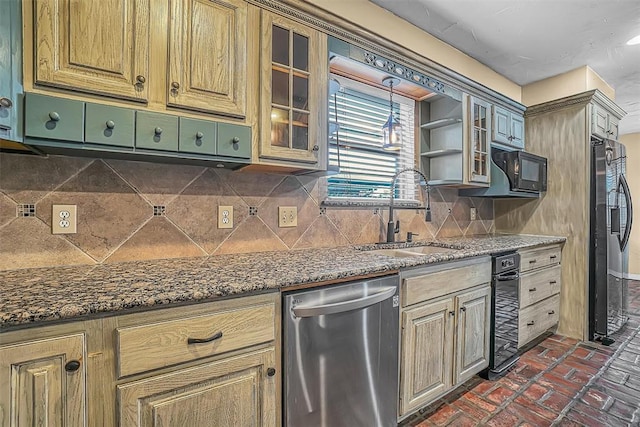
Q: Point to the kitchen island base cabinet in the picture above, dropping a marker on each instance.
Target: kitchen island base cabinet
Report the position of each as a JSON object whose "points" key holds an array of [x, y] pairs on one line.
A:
{"points": [[43, 382], [236, 391], [446, 317]]}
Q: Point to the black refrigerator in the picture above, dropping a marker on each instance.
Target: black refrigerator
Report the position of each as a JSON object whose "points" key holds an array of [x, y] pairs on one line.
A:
{"points": [[611, 216]]}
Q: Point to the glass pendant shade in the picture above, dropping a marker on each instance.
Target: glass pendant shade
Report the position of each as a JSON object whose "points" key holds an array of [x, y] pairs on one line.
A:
{"points": [[391, 130]]}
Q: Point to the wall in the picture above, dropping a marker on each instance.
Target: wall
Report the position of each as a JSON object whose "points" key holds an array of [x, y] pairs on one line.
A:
{"points": [[384, 23], [570, 83], [561, 136], [116, 219], [632, 143]]}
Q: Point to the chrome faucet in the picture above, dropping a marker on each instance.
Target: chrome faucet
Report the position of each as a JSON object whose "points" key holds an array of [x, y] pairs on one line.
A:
{"points": [[393, 228]]}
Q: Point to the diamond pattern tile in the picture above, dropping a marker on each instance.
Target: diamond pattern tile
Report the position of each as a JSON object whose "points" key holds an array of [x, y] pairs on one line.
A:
{"points": [[321, 234], [7, 210], [252, 187], [195, 211], [343, 220], [157, 239], [252, 235], [158, 183], [27, 179], [28, 242], [449, 228], [109, 210], [289, 193]]}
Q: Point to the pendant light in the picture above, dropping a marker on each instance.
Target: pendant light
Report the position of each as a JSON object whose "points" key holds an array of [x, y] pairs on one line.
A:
{"points": [[392, 130]]}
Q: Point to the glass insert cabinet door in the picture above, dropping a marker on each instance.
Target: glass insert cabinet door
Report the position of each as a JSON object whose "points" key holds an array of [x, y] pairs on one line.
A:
{"points": [[480, 133], [294, 74]]}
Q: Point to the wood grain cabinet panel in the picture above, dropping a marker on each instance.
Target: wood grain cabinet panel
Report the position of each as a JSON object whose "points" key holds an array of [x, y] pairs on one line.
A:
{"points": [[93, 46], [36, 389], [472, 339], [233, 392], [208, 56], [427, 351]]}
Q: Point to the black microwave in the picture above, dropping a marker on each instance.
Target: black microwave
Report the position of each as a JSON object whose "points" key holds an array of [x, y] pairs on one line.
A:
{"points": [[525, 171]]}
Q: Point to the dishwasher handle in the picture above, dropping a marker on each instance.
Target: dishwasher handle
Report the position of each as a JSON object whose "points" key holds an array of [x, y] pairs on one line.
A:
{"points": [[342, 306]]}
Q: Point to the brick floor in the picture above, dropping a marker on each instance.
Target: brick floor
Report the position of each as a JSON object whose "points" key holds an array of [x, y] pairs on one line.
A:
{"points": [[559, 382]]}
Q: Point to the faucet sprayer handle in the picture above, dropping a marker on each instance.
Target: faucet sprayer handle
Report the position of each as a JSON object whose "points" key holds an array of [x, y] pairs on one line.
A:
{"points": [[410, 236]]}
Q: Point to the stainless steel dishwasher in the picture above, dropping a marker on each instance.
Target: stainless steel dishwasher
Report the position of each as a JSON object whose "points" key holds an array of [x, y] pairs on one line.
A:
{"points": [[341, 355]]}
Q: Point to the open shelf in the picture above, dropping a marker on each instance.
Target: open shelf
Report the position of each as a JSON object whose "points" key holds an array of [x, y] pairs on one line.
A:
{"points": [[441, 123], [439, 153]]}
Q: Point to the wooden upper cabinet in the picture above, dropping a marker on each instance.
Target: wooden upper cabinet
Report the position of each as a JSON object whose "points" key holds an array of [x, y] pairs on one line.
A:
{"points": [[208, 56], [294, 78], [94, 46]]}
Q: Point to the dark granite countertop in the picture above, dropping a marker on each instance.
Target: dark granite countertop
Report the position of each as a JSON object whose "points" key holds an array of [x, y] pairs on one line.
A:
{"points": [[31, 297]]}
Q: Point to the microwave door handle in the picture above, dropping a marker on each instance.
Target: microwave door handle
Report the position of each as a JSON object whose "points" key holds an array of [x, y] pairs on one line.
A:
{"points": [[627, 195]]}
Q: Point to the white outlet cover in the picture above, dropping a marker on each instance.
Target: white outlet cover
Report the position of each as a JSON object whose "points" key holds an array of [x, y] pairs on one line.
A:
{"points": [[225, 216], [64, 219]]}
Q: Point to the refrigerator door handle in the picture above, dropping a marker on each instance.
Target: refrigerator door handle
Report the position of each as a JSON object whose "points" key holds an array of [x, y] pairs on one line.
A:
{"points": [[624, 187]]}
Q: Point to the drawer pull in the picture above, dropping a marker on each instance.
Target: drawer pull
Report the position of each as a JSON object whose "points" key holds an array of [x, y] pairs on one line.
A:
{"points": [[110, 124], [463, 308], [158, 131], [199, 135], [213, 337], [72, 366], [531, 323], [271, 372], [551, 312], [552, 282], [553, 257], [54, 116], [235, 140], [5, 102], [533, 261], [533, 289]]}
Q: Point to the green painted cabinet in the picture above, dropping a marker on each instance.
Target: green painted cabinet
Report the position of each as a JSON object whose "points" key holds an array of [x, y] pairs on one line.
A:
{"points": [[109, 125], [155, 131], [10, 70], [234, 140], [54, 118], [197, 136]]}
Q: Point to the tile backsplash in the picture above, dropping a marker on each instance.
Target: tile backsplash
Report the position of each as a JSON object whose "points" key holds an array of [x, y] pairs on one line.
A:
{"points": [[136, 210]]}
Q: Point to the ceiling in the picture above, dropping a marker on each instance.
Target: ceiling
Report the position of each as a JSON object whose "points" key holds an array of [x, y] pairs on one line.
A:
{"points": [[530, 40]]}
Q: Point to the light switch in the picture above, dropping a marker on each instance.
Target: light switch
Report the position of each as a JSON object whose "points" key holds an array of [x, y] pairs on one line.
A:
{"points": [[225, 216], [287, 216], [64, 219]]}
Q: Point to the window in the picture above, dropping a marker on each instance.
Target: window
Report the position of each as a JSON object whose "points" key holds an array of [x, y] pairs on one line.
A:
{"points": [[366, 170]]}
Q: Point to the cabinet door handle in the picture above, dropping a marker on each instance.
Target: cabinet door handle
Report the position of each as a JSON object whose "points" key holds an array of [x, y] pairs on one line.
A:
{"points": [[141, 79], [533, 289], [533, 261], [316, 148], [271, 372], [463, 308], [175, 85], [552, 282], [452, 313], [6, 102], [531, 323], [72, 366], [552, 257], [551, 312], [213, 337]]}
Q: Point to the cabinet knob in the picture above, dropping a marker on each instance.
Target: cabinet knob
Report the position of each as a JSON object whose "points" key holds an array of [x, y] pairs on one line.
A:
{"points": [[271, 372], [54, 116], [199, 135], [532, 289], [72, 366], [531, 323], [175, 85], [6, 102], [158, 130], [110, 124], [452, 313], [316, 148], [141, 79], [235, 140], [552, 282], [463, 308]]}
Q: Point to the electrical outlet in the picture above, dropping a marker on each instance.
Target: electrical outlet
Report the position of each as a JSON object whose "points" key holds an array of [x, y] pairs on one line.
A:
{"points": [[64, 219], [225, 216], [287, 216], [473, 214]]}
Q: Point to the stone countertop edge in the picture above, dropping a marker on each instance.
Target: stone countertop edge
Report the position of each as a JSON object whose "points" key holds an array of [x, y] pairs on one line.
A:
{"points": [[38, 296]]}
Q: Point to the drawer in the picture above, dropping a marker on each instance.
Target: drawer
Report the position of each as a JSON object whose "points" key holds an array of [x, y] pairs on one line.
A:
{"points": [[539, 257], [433, 284], [54, 118], [537, 318], [156, 131], [234, 140], [538, 285], [197, 136], [156, 345], [109, 125]]}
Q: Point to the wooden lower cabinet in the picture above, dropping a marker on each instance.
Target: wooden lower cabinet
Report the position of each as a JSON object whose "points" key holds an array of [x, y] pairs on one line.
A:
{"points": [[42, 382], [237, 391], [445, 338]]}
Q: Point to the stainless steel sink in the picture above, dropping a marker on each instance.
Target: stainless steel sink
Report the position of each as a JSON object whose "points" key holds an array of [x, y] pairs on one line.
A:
{"points": [[414, 251]]}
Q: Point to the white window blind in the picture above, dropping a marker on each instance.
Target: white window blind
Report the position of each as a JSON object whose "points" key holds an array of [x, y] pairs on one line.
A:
{"points": [[366, 169]]}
